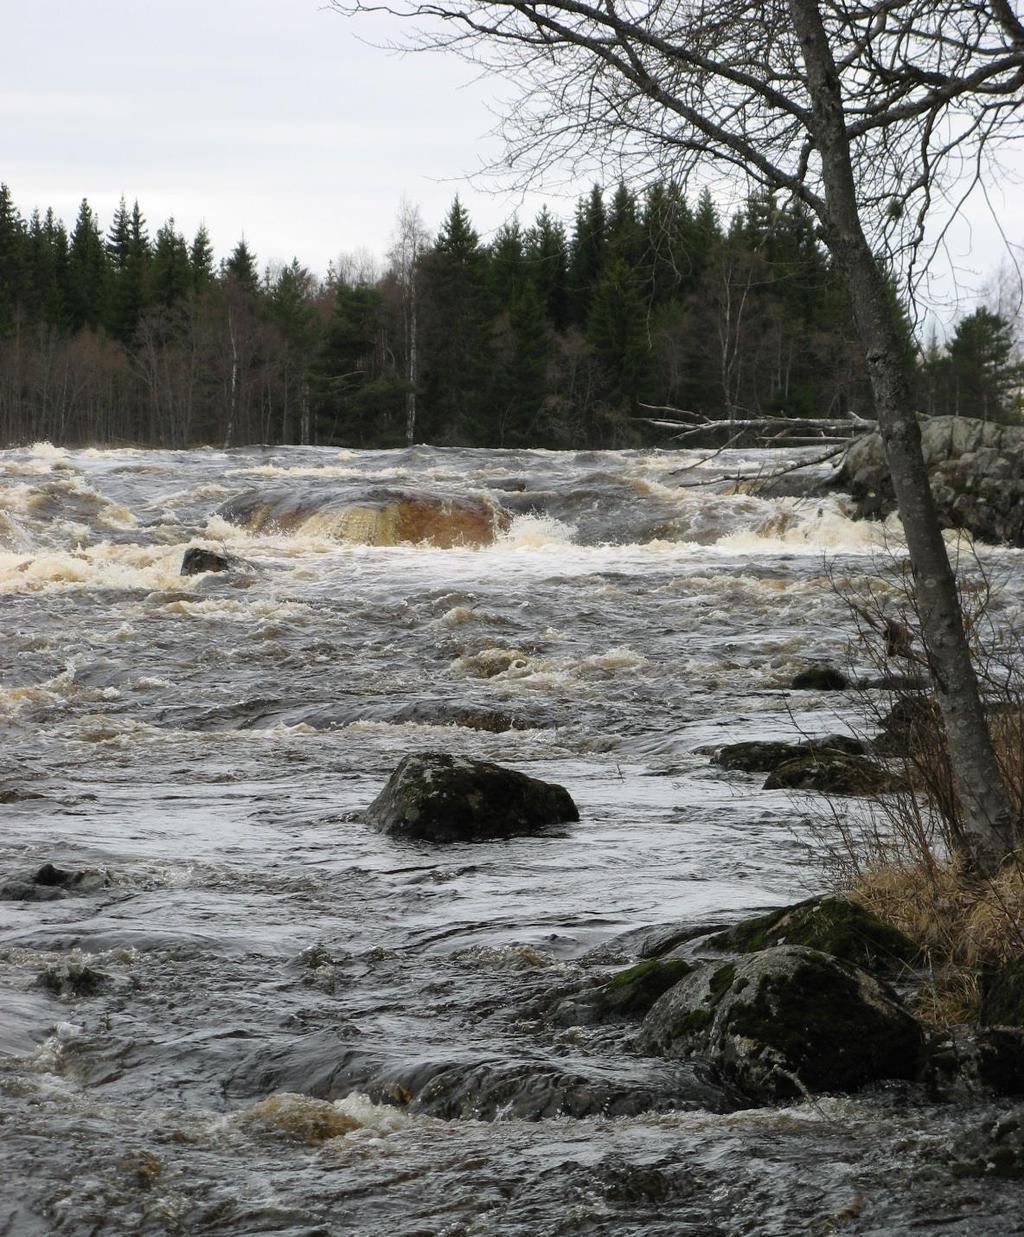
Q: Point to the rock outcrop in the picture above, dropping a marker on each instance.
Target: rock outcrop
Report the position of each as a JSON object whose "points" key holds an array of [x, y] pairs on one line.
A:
{"points": [[786, 1021], [764, 755], [435, 797], [976, 470]]}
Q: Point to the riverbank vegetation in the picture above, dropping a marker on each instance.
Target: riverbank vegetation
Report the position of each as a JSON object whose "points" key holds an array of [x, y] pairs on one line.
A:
{"points": [[546, 334]]}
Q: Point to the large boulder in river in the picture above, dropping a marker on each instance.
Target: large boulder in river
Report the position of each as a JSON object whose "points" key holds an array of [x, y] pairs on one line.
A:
{"points": [[832, 773], [786, 1021], [197, 560], [763, 755], [435, 797], [832, 925], [976, 470]]}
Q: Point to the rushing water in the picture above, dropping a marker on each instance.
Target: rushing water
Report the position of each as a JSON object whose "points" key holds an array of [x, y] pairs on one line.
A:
{"points": [[258, 1015]]}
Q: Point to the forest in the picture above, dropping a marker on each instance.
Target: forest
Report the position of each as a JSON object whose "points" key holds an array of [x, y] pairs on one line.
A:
{"points": [[548, 335]]}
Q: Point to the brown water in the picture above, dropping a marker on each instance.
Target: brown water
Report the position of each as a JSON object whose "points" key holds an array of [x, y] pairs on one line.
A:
{"points": [[299, 1026]]}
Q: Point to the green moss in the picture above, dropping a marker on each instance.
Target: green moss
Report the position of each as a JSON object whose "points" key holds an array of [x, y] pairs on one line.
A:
{"points": [[833, 925], [831, 772], [635, 990], [817, 1021]]}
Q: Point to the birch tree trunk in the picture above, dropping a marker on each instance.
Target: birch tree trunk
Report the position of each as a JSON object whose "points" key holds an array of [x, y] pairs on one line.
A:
{"points": [[988, 816]]}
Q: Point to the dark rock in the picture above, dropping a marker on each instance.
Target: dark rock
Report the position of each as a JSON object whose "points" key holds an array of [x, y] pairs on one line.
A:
{"points": [[976, 470], [913, 724], [993, 1152], [50, 883], [463, 1085], [629, 994], [761, 756], [833, 773], [439, 798], [72, 978], [786, 1021], [196, 561], [820, 679], [834, 926], [1002, 995]]}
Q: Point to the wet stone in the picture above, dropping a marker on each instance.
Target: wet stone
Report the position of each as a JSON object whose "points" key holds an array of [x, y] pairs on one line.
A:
{"points": [[835, 926], [820, 679], [439, 798], [764, 755], [50, 883], [834, 773], [196, 561], [628, 994], [786, 1021]]}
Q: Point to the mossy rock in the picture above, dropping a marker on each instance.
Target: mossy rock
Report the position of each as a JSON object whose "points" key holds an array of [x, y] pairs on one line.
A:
{"points": [[764, 755], [832, 773], [628, 994], [1002, 995], [820, 679], [834, 926], [784, 1022], [434, 797], [913, 724]]}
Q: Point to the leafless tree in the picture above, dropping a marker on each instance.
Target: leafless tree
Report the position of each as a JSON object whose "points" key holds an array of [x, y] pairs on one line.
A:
{"points": [[877, 115]]}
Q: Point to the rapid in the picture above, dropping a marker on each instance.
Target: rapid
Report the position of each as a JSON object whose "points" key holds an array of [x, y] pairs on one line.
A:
{"points": [[258, 1015]]}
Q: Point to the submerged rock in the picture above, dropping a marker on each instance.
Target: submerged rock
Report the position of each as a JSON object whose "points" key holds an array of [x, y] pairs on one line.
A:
{"points": [[49, 883], [196, 561], [786, 1021], [764, 755], [912, 725], [834, 926], [820, 679], [629, 994], [439, 798], [373, 516], [463, 1085], [831, 772]]}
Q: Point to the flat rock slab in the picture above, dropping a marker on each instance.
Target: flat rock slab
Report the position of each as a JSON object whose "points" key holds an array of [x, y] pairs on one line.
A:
{"points": [[435, 797]]}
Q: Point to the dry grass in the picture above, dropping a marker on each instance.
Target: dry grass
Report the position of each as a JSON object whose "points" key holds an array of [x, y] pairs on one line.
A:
{"points": [[962, 926], [903, 861]]}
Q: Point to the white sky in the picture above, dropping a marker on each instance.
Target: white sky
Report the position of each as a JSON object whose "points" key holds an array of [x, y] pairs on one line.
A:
{"points": [[273, 118]]}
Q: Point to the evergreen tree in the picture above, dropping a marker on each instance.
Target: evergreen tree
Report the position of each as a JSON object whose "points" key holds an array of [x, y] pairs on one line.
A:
{"points": [[508, 263], [617, 332], [129, 256], [87, 271], [240, 269], [290, 304], [12, 261], [586, 259], [358, 398], [527, 384], [457, 348], [171, 272], [984, 378], [200, 257], [547, 256]]}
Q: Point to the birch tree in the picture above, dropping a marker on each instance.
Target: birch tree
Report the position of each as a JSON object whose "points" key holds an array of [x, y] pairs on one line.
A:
{"points": [[875, 115]]}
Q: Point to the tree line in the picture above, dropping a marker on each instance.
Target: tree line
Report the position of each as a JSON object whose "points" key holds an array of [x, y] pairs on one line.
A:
{"points": [[548, 335]]}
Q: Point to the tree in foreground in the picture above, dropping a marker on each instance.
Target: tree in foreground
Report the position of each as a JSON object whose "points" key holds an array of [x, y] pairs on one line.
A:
{"points": [[866, 115]]}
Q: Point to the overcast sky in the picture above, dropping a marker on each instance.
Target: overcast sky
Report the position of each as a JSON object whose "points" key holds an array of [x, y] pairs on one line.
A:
{"points": [[272, 118], [264, 116]]}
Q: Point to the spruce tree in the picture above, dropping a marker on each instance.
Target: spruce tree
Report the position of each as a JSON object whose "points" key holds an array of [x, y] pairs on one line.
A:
{"points": [[547, 257], [170, 274], [12, 261], [240, 269], [129, 255], [586, 260], [87, 271], [200, 257]]}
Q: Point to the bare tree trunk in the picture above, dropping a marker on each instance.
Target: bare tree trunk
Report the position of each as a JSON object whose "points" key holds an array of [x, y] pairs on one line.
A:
{"points": [[304, 414], [988, 817], [233, 399], [410, 399]]}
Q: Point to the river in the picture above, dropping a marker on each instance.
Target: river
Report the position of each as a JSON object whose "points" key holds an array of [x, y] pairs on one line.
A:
{"points": [[258, 1015]]}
